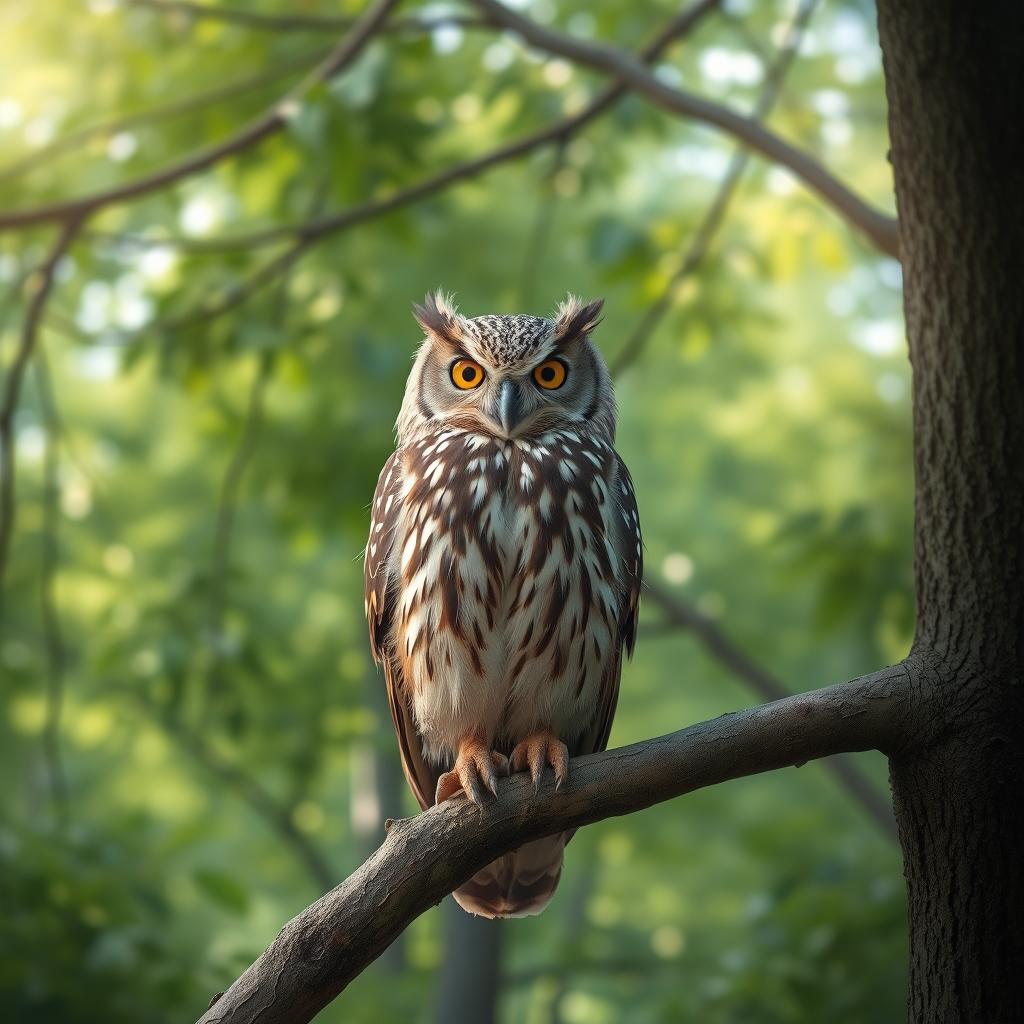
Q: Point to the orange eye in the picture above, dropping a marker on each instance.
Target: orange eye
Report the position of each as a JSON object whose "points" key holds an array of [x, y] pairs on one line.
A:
{"points": [[467, 375], [550, 374]]}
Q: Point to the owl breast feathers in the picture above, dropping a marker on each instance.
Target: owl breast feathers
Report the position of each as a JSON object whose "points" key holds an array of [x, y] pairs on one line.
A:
{"points": [[503, 568]]}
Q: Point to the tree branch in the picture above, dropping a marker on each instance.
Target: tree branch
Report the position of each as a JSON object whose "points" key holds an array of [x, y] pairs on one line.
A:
{"points": [[42, 284], [308, 233], [276, 814], [682, 615], [53, 634], [262, 21], [227, 500], [260, 128], [713, 219], [558, 132], [161, 112], [877, 226], [424, 858]]}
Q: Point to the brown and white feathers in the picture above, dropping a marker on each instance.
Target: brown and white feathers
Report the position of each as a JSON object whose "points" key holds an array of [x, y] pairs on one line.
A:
{"points": [[504, 561]]}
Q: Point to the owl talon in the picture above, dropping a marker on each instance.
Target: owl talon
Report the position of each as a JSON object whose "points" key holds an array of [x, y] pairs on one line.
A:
{"points": [[475, 772], [536, 752]]}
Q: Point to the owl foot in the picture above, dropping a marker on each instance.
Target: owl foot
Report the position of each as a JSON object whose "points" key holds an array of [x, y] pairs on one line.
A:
{"points": [[476, 767], [538, 750]]}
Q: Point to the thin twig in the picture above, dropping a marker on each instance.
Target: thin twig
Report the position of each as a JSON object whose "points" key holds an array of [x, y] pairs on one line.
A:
{"points": [[262, 21], [558, 132], [228, 499], [53, 637], [715, 215], [41, 284], [162, 112], [540, 233], [274, 813], [269, 123], [682, 615], [277, 813], [310, 232], [880, 228]]}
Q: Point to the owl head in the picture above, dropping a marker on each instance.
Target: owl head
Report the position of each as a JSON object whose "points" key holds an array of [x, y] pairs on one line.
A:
{"points": [[507, 376]]}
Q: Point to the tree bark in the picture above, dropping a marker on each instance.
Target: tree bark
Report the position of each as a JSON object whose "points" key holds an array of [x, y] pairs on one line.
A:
{"points": [[956, 116], [425, 858]]}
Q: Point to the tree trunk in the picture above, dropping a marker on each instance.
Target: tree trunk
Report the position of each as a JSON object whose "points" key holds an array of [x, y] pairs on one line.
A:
{"points": [[956, 119], [470, 980]]}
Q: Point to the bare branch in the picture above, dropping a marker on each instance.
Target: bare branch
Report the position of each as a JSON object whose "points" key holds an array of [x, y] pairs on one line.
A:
{"points": [[559, 132], [41, 284], [701, 239], [275, 813], [228, 498], [262, 21], [306, 234], [161, 112], [424, 858], [53, 636], [540, 233], [681, 614], [879, 227], [268, 123]]}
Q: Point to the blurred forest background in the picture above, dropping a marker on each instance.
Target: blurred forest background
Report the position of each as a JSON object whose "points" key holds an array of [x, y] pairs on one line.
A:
{"points": [[193, 740]]}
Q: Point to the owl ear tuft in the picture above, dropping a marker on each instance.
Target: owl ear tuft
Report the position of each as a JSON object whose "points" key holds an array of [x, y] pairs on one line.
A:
{"points": [[576, 318], [439, 317]]}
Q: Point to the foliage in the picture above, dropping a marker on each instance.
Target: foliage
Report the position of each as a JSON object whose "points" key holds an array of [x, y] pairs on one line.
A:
{"points": [[221, 721]]}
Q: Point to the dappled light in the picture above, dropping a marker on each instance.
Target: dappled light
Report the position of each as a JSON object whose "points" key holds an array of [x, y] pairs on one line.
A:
{"points": [[214, 220]]}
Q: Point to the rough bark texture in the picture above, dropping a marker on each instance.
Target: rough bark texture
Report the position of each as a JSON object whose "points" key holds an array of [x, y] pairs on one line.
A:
{"points": [[956, 111], [425, 858]]}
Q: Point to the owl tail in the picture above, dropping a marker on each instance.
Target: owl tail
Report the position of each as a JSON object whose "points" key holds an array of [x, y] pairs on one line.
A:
{"points": [[517, 884]]}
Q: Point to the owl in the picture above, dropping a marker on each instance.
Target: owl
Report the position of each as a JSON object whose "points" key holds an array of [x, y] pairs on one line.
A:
{"points": [[503, 568]]}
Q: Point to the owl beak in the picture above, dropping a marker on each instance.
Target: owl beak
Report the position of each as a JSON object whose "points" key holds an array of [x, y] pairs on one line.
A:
{"points": [[510, 406]]}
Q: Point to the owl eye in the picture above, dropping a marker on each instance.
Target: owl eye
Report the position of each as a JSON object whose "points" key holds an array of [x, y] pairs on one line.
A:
{"points": [[551, 374], [466, 374]]}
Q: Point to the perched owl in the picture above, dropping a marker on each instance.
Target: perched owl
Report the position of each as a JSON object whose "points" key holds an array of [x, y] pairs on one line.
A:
{"points": [[503, 568]]}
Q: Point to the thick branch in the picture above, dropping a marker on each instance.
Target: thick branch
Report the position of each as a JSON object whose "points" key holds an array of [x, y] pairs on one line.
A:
{"points": [[880, 228], [424, 858], [267, 124], [682, 615]]}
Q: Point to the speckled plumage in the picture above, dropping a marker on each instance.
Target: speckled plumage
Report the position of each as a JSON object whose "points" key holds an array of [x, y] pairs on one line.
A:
{"points": [[503, 569]]}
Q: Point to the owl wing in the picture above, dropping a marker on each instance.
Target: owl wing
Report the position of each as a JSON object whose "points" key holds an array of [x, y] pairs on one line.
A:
{"points": [[629, 546], [380, 591], [626, 540]]}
